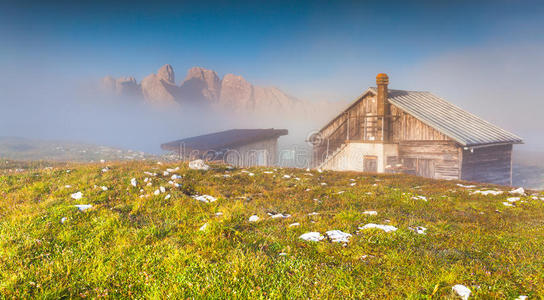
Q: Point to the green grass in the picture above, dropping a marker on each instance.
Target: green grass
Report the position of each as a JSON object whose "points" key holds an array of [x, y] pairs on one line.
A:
{"points": [[151, 247]]}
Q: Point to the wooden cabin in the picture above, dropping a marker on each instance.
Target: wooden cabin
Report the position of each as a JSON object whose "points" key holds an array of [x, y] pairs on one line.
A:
{"points": [[238, 147], [397, 131]]}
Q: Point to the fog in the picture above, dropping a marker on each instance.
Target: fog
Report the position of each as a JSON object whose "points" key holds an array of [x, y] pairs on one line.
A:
{"points": [[76, 110]]}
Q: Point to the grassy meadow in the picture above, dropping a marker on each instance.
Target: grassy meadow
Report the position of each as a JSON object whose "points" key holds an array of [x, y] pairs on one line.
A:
{"points": [[141, 241]]}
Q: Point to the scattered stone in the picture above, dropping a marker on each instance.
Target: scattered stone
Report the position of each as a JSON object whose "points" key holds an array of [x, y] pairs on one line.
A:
{"points": [[162, 189], [275, 216], [77, 195], [386, 228], [466, 186], [104, 188], [418, 229], [203, 227], [83, 207], [175, 176], [198, 165], [133, 182], [488, 192], [294, 224], [254, 218], [370, 213], [513, 199], [63, 220], [507, 204], [167, 197], [268, 172], [519, 191], [282, 254], [419, 198], [218, 214], [462, 291], [521, 297], [312, 236], [313, 214], [338, 236], [205, 198], [286, 176]]}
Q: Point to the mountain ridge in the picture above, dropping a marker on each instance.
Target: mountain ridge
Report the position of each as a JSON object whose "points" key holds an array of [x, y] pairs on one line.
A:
{"points": [[204, 87]]}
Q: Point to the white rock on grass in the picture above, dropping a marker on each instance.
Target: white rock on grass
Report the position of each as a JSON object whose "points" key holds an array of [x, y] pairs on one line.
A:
{"points": [[254, 218], [162, 189], [370, 213], [338, 236], [276, 216], [268, 172], [466, 186], [488, 192], [286, 176], [205, 198], [313, 214], [462, 291], [83, 207], [104, 188], [67, 186], [419, 198], [418, 229], [133, 182], [203, 227], [175, 176], [519, 191], [77, 195], [63, 220], [521, 297], [312, 236], [294, 224], [386, 228], [507, 204], [156, 192], [198, 165], [167, 197], [513, 199]]}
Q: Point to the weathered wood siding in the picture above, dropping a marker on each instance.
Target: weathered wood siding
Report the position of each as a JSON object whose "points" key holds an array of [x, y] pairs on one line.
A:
{"points": [[407, 128], [489, 164], [434, 159]]}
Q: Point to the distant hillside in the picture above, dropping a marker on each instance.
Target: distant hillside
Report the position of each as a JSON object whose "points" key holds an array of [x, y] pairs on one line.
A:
{"points": [[17, 148], [148, 230]]}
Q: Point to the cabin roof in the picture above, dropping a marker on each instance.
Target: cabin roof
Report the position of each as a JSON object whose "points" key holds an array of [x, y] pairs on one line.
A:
{"points": [[225, 139], [465, 128]]}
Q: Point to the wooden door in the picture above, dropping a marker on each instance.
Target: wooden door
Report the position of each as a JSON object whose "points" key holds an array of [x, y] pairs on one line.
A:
{"points": [[370, 163], [425, 168]]}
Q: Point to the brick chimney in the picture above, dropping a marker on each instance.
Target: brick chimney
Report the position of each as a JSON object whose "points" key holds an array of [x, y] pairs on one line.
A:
{"points": [[384, 108]]}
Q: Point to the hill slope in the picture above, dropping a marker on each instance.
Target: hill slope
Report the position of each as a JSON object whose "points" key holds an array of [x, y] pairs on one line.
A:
{"points": [[142, 240]]}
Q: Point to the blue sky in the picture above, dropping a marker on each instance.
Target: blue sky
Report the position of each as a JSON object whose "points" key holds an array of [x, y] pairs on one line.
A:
{"points": [[271, 43], [316, 50]]}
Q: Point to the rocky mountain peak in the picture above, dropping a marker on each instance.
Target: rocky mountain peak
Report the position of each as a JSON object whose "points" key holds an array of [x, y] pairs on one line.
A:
{"points": [[166, 73]]}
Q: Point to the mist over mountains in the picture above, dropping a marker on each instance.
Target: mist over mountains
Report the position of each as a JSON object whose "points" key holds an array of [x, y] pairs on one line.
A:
{"points": [[203, 88]]}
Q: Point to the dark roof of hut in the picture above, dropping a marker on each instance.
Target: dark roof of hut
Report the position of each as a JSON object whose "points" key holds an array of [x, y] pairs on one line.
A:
{"points": [[225, 139]]}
